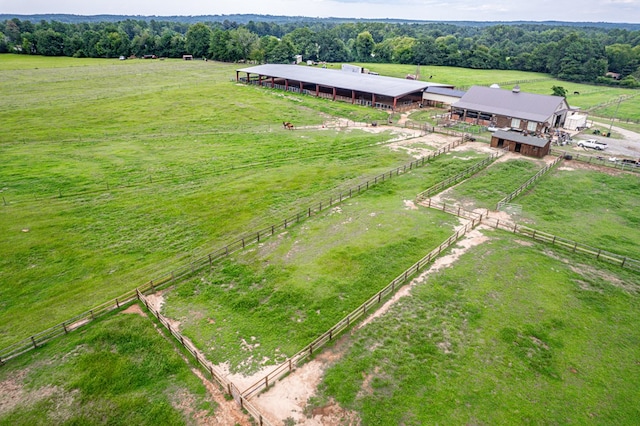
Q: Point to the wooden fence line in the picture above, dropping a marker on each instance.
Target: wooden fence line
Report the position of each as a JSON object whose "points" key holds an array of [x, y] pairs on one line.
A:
{"points": [[229, 387], [528, 183], [598, 160], [38, 339], [537, 235], [439, 187], [288, 366]]}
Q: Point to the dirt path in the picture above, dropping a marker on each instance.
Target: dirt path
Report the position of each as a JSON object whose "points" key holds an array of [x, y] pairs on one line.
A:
{"points": [[288, 398]]}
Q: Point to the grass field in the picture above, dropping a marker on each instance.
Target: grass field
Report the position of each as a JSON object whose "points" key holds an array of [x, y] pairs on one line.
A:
{"points": [[296, 286], [119, 371], [105, 189], [513, 334], [116, 172]]}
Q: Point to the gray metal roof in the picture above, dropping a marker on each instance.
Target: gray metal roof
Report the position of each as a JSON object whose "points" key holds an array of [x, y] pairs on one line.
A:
{"points": [[520, 138], [446, 91], [526, 106], [378, 84]]}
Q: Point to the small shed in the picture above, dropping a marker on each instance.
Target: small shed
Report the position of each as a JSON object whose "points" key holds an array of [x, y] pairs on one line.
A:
{"points": [[531, 146], [187, 57]]}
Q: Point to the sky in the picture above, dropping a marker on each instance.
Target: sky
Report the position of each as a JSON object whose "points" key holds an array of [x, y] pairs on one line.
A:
{"points": [[627, 11]]}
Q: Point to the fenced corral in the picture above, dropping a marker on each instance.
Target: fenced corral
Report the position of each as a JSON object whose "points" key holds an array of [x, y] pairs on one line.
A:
{"points": [[528, 183], [597, 160], [537, 235], [289, 365], [226, 385], [207, 260], [457, 178]]}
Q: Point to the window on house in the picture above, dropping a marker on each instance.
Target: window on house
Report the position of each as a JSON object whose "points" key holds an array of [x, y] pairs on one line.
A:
{"points": [[515, 123], [532, 126]]}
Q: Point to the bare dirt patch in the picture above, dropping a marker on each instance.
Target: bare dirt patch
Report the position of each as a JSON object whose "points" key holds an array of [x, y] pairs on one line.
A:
{"points": [[13, 394], [134, 309]]}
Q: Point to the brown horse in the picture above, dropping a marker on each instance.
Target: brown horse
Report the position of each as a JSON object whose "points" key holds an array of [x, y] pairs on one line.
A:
{"points": [[287, 125]]}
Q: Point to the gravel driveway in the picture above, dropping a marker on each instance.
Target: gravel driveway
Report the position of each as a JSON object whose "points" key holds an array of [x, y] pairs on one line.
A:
{"points": [[629, 146]]}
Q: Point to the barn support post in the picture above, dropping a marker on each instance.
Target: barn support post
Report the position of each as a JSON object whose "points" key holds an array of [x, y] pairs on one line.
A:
{"points": [[301, 87], [334, 93], [373, 100], [353, 96], [395, 103], [286, 85], [273, 82], [317, 90]]}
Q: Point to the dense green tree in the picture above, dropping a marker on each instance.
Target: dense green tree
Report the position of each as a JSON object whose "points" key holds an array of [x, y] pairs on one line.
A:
{"points": [[219, 47], [364, 45], [48, 42], [198, 40], [241, 44], [558, 91], [304, 43]]}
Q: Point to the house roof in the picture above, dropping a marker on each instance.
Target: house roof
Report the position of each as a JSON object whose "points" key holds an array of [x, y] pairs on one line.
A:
{"points": [[368, 83], [446, 91], [526, 106], [520, 138]]}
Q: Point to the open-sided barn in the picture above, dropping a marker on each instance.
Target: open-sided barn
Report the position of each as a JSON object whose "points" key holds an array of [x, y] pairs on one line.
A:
{"points": [[358, 88], [527, 112]]}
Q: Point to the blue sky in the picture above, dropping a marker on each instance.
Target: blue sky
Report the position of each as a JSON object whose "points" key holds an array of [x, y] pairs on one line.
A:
{"points": [[453, 10]]}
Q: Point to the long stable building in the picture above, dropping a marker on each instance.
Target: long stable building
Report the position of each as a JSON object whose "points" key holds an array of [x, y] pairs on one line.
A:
{"points": [[358, 88]]}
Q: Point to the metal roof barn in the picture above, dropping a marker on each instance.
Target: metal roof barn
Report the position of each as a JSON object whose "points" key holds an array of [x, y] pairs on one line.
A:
{"points": [[371, 85]]}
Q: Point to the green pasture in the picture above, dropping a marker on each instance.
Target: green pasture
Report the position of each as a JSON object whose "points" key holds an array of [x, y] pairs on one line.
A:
{"points": [[491, 185], [116, 172], [514, 333], [598, 209], [119, 371], [278, 298]]}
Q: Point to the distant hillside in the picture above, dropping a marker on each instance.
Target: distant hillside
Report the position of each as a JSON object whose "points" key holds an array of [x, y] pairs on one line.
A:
{"points": [[245, 18]]}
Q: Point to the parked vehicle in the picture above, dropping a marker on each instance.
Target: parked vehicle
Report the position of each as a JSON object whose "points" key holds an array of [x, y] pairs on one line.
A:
{"points": [[593, 144]]}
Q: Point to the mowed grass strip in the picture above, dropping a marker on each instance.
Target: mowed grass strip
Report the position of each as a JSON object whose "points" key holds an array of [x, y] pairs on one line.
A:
{"points": [[266, 303], [118, 371], [514, 333]]}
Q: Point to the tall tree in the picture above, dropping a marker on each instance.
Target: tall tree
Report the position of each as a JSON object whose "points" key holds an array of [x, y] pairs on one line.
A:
{"points": [[364, 46], [198, 40]]}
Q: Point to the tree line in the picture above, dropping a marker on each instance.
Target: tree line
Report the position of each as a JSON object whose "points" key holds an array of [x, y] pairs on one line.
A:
{"points": [[572, 53]]}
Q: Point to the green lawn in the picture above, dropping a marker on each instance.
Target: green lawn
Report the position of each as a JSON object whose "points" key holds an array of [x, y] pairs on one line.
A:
{"points": [[513, 334], [119, 371]]}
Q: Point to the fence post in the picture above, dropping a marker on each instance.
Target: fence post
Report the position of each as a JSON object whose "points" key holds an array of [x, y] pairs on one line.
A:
{"points": [[35, 346], [623, 262], [64, 326], [117, 303]]}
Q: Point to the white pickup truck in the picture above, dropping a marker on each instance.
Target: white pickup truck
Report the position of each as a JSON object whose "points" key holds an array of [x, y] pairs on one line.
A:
{"points": [[592, 143]]}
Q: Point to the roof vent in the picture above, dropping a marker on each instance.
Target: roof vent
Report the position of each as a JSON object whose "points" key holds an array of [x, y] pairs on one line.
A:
{"points": [[516, 89], [494, 86]]}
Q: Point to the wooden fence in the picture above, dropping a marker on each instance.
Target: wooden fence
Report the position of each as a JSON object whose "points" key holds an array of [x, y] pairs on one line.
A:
{"points": [[528, 183], [597, 160], [457, 178], [39, 339], [216, 374], [328, 336], [541, 236]]}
